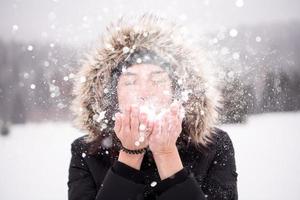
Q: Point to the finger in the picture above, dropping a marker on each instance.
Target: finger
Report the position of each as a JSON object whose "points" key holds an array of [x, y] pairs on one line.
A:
{"points": [[150, 125], [181, 112], [165, 123], [118, 123], [126, 119], [134, 121], [174, 108], [143, 121], [166, 127], [156, 128]]}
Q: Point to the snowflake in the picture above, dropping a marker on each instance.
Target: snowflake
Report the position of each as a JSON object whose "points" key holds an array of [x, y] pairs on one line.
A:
{"points": [[258, 39], [239, 3], [137, 143], [105, 90], [236, 56], [82, 79], [26, 75], [179, 81], [99, 117], [139, 60], [126, 50], [15, 28], [153, 184], [233, 33], [46, 63], [32, 86], [30, 48], [71, 75]]}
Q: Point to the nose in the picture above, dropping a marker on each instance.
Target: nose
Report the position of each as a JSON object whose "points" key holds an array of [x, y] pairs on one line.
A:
{"points": [[144, 95], [142, 100], [144, 92]]}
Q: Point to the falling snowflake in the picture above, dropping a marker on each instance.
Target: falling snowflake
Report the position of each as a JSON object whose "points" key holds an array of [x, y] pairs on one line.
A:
{"points": [[105, 90], [103, 126], [145, 34], [106, 142], [141, 139], [137, 143], [83, 155], [30, 48], [124, 69], [99, 117], [185, 95], [126, 50], [179, 81], [26, 75], [66, 78], [71, 75], [142, 127], [46, 63], [233, 33], [236, 56], [153, 184], [82, 79], [32, 86], [202, 112], [239, 3], [258, 39], [15, 28]]}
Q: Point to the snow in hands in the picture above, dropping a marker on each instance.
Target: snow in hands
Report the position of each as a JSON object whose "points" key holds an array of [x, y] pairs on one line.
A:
{"points": [[152, 115]]}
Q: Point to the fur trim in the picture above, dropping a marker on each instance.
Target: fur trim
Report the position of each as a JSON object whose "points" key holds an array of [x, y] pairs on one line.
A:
{"points": [[163, 37]]}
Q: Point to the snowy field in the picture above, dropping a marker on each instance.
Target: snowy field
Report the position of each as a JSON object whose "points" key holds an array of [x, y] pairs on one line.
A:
{"points": [[35, 159]]}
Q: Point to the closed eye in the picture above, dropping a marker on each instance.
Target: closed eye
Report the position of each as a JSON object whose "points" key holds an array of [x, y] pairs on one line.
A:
{"points": [[159, 81], [130, 82]]}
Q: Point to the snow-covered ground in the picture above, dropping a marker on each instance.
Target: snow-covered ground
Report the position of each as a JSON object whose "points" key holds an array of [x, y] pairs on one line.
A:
{"points": [[35, 158]]}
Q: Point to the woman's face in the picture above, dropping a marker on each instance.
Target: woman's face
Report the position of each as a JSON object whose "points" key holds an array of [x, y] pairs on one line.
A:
{"points": [[145, 85]]}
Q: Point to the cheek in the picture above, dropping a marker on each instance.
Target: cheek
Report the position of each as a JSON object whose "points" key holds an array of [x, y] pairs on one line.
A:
{"points": [[126, 96], [164, 94]]}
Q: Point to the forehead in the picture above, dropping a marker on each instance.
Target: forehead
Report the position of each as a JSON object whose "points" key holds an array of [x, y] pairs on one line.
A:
{"points": [[144, 69]]}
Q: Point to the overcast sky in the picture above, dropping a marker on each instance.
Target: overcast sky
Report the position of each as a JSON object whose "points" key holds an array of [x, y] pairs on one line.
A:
{"points": [[79, 21]]}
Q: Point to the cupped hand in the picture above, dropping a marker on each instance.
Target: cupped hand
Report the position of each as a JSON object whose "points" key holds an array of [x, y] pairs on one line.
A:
{"points": [[133, 128], [166, 130]]}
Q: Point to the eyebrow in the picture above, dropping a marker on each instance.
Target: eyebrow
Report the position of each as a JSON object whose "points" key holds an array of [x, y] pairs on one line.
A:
{"points": [[158, 72], [127, 73]]}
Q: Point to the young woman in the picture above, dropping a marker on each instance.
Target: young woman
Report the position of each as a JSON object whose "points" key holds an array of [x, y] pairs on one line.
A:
{"points": [[150, 111]]}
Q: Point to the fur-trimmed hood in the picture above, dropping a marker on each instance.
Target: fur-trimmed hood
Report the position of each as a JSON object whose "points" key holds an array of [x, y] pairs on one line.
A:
{"points": [[202, 100]]}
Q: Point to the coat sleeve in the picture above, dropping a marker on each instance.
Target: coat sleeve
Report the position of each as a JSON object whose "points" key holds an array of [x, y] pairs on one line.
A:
{"points": [[81, 185], [219, 184], [116, 186]]}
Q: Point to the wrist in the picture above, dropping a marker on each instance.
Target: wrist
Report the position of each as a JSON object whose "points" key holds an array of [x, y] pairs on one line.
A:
{"points": [[166, 152], [132, 160], [168, 163]]}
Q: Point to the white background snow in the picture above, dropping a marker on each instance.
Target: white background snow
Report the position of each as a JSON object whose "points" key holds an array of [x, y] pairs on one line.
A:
{"points": [[35, 159]]}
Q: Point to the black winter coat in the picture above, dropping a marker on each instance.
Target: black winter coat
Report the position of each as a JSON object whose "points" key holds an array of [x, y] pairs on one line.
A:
{"points": [[204, 176]]}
